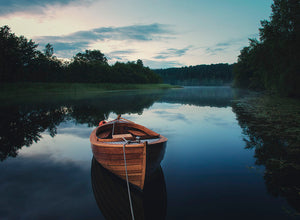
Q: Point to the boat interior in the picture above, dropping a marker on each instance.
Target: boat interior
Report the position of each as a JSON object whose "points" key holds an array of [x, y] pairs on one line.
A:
{"points": [[120, 129]]}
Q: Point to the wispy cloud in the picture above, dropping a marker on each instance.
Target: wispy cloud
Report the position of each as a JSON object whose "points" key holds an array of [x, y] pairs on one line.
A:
{"points": [[82, 39], [34, 6], [224, 44], [216, 49], [67, 46], [232, 44], [171, 116], [134, 32], [220, 47], [154, 64], [120, 55], [172, 52], [122, 52]]}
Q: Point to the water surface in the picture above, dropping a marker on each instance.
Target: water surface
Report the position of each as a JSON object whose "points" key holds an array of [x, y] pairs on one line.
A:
{"points": [[206, 173]]}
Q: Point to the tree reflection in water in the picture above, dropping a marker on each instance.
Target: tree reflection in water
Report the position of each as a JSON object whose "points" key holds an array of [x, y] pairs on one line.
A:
{"points": [[22, 124], [279, 154]]}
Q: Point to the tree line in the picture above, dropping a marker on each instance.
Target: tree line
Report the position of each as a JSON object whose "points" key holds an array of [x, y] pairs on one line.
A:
{"points": [[272, 62], [21, 61], [214, 74]]}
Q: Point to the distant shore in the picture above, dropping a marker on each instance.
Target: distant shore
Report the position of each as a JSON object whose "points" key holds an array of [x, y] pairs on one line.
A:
{"points": [[24, 89]]}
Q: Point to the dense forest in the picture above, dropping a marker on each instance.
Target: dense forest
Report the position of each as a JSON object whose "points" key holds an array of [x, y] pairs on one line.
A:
{"points": [[20, 61], [214, 74], [273, 62]]}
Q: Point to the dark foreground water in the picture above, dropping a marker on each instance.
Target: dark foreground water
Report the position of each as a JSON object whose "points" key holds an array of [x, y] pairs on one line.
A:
{"points": [[47, 170]]}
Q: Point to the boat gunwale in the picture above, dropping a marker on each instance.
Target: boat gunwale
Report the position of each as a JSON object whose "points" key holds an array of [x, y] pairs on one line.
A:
{"points": [[96, 141]]}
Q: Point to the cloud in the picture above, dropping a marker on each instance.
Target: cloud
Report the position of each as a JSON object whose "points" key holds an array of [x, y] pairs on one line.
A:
{"points": [[215, 50], [60, 46], [80, 130], [34, 6], [134, 32], [232, 44], [120, 55], [154, 64], [170, 115], [172, 52], [219, 47], [122, 52], [81, 40], [225, 44]]}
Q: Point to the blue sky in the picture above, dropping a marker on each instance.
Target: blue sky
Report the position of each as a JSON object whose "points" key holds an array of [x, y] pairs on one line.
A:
{"points": [[163, 33]]}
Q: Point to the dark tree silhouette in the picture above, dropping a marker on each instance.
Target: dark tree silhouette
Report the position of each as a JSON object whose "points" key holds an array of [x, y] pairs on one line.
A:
{"points": [[91, 56], [49, 50], [20, 61], [15, 55], [272, 62], [214, 74]]}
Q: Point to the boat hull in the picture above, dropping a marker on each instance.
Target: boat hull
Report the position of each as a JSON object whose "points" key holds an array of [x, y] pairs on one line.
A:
{"points": [[121, 146], [111, 156]]}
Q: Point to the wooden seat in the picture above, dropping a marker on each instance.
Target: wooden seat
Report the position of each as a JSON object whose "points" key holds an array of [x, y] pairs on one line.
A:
{"points": [[137, 133], [127, 136]]}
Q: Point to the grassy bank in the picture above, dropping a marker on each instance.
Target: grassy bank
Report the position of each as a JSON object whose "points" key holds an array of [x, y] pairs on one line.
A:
{"points": [[272, 115], [10, 90]]}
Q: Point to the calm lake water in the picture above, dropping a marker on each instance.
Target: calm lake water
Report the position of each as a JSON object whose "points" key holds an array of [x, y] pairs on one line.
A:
{"points": [[47, 169]]}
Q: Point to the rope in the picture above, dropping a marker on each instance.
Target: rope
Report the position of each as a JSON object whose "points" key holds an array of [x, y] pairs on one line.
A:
{"points": [[114, 122], [129, 195], [113, 129]]}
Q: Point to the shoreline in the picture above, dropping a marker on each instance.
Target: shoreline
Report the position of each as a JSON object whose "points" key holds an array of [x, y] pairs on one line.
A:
{"points": [[277, 115], [11, 90]]}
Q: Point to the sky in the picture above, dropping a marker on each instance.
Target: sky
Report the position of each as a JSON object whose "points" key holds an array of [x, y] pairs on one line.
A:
{"points": [[162, 33]]}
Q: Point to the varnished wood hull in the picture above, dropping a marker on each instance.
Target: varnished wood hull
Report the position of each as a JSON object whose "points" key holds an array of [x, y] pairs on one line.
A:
{"points": [[112, 158], [110, 155]]}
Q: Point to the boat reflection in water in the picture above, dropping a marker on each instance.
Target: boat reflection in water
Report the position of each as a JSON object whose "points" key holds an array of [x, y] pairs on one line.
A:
{"points": [[111, 193]]}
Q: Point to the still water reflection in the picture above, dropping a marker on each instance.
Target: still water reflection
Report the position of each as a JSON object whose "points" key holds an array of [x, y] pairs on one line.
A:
{"points": [[112, 196], [46, 170]]}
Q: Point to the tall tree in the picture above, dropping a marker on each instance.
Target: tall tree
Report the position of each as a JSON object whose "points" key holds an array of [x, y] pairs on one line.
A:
{"points": [[48, 50], [91, 56], [15, 55], [275, 58]]}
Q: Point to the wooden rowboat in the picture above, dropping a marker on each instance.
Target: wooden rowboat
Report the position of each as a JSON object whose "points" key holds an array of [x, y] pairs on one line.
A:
{"points": [[109, 140]]}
